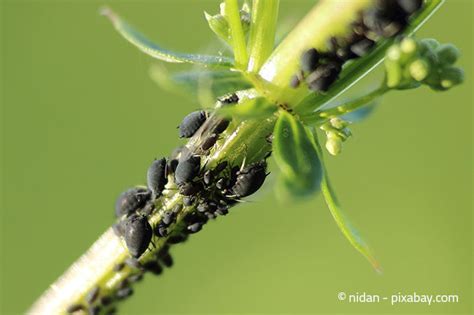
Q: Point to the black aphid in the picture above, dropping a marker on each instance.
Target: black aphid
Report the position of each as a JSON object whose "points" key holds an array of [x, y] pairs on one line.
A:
{"points": [[187, 169], [191, 123], [220, 167], [229, 99], [250, 179], [171, 167], [168, 217], [148, 209], [410, 6], [189, 189], [208, 177], [118, 267], [209, 142], [95, 310], [189, 200], [154, 267], [106, 300], [310, 60], [117, 228], [222, 183], [166, 259], [131, 200], [157, 177], [194, 228], [135, 278], [137, 233], [177, 238], [323, 77], [203, 207], [362, 47], [133, 263], [92, 295], [74, 308], [161, 230], [222, 210], [124, 293], [221, 126]]}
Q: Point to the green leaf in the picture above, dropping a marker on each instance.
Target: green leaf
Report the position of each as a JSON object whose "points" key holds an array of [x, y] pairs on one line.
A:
{"points": [[155, 51], [198, 83], [346, 227], [239, 45], [262, 32], [249, 109], [296, 156]]}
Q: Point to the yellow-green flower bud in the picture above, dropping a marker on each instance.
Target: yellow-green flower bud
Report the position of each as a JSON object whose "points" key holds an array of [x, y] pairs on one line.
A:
{"points": [[451, 76], [334, 145], [419, 69]]}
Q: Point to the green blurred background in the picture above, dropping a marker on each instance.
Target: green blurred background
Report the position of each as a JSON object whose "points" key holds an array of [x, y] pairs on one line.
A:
{"points": [[81, 121]]}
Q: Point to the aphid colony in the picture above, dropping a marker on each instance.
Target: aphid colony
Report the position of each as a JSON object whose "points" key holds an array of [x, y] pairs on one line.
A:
{"points": [[206, 193], [387, 18]]}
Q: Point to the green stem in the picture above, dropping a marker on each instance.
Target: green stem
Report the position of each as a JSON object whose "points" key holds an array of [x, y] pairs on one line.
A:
{"points": [[322, 115], [262, 32], [237, 33]]}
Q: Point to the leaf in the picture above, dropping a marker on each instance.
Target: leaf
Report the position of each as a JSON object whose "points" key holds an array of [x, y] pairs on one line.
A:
{"points": [[155, 51], [249, 109], [342, 221], [196, 83], [296, 156], [346, 227]]}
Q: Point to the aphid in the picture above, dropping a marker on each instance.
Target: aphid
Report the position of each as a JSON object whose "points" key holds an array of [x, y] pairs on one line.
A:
{"points": [[105, 300], [222, 210], [187, 169], [124, 293], [250, 179], [133, 263], [209, 142], [203, 207], [310, 60], [230, 99], [131, 200], [177, 238], [148, 209], [161, 230], [92, 295], [168, 217], [323, 77], [135, 278], [220, 167], [74, 308], [208, 177], [154, 267], [137, 234], [95, 310], [362, 47], [194, 228], [189, 189], [210, 215], [157, 177], [166, 259], [221, 126], [118, 267], [191, 123], [222, 183], [410, 6], [189, 200], [295, 81], [171, 167]]}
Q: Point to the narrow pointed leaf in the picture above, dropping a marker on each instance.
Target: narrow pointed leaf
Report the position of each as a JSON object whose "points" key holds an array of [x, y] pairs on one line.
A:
{"points": [[296, 156], [156, 51], [195, 83], [346, 227]]}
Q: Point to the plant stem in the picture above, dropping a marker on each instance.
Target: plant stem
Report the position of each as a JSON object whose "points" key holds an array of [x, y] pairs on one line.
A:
{"points": [[262, 32], [237, 33]]}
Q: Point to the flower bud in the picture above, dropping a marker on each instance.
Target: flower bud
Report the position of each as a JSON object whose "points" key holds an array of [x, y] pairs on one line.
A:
{"points": [[334, 145], [448, 54], [419, 69], [451, 76]]}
